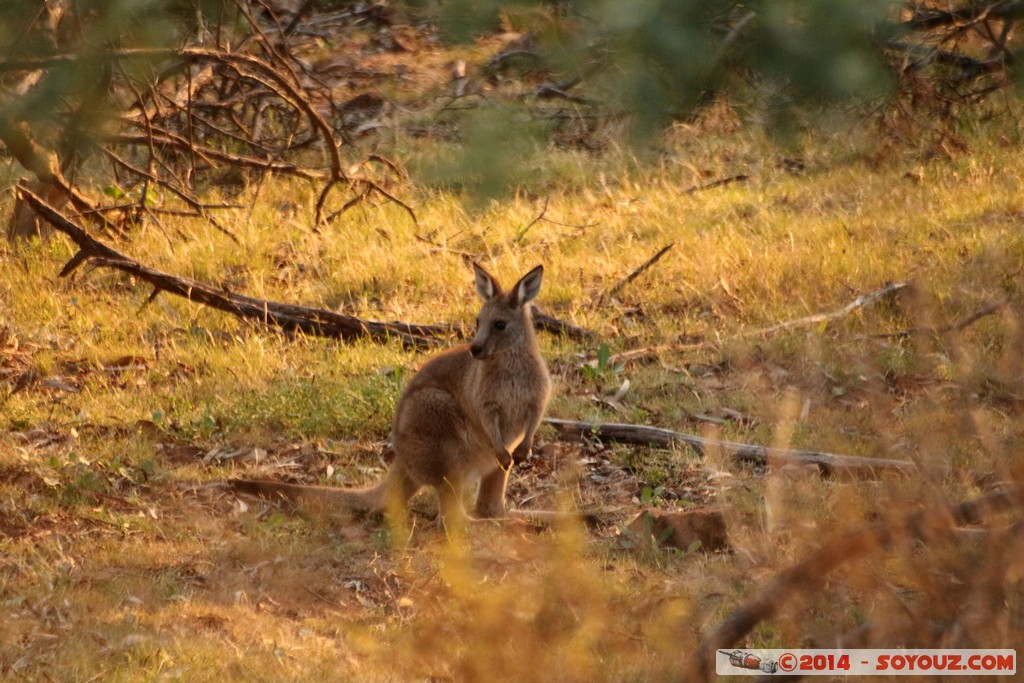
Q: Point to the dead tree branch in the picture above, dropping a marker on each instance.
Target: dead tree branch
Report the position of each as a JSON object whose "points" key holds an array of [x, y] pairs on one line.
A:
{"points": [[287, 317], [171, 114], [861, 301], [983, 312], [738, 178], [827, 463], [543, 321]]}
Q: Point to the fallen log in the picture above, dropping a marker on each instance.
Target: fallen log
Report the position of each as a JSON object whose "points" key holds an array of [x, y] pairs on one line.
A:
{"points": [[827, 463], [543, 321], [287, 317]]}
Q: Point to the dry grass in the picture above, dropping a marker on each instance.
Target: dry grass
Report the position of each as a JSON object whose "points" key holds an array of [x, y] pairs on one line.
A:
{"points": [[121, 559]]}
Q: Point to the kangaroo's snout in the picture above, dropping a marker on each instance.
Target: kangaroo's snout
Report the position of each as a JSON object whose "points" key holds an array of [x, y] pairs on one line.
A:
{"points": [[484, 346]]}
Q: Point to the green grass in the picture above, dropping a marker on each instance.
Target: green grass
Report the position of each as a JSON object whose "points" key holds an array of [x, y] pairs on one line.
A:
{"points": [[121, 559]]}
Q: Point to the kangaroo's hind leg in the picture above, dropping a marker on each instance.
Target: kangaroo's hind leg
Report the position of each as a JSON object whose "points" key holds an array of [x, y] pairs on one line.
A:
{"points": [[490, 500]]}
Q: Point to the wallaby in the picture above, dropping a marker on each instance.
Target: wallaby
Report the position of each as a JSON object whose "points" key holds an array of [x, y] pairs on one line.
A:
{"points": [[464, 417]]}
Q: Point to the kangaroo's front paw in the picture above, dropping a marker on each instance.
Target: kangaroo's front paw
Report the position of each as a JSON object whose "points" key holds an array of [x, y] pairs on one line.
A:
{"points": [[522, 452]]}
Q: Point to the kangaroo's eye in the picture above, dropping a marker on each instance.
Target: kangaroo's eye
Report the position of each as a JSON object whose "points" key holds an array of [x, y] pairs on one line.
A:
{"points": [[499, 325]]}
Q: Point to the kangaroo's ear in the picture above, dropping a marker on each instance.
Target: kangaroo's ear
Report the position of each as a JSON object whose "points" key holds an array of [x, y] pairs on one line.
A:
{"points": [[486, 286], [528, 287]]}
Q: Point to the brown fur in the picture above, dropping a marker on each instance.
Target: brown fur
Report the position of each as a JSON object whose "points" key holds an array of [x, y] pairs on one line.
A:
{"points": [[463, 418]]}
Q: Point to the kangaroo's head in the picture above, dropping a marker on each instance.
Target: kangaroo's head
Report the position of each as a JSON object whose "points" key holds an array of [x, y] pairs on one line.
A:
{"points": [[504, 321]]}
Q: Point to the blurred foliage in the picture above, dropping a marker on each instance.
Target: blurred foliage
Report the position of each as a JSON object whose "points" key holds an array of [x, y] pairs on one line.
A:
{"points": [[651, 62], [661, 59], [64, 66], [786, 62], [85, 32], [498, 147], [584, 74]]}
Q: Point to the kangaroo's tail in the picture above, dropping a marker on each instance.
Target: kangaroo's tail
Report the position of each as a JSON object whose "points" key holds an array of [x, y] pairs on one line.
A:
{"points": [[372, 499]]}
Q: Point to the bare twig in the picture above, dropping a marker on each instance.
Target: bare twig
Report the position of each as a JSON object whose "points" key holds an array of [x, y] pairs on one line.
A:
{"points": [[368, 188], [262, 72], [289, 317], [614, 291], [543, 210], [642, 354], [968, 66], [181, 193], [739, 178], [210, 154], [860, 302], [183, 111]]}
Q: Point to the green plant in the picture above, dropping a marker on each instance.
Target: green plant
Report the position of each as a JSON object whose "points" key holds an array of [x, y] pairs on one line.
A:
{"points": [[602, 367], [651, 496]]}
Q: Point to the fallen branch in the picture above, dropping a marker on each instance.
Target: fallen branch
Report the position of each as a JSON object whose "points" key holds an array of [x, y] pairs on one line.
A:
{"points": [[287, 317], [861, 301], [812, 571], [635, 274], [827, 463], [543, 321], [645, 353]]}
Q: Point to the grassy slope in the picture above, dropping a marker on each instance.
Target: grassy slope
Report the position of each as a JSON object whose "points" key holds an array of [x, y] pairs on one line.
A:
{"points": [[118, 561]]}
